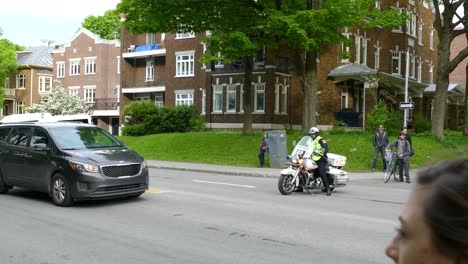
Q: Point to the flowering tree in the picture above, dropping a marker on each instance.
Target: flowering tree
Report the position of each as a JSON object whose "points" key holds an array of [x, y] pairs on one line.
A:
{"points": [[59, 102]]}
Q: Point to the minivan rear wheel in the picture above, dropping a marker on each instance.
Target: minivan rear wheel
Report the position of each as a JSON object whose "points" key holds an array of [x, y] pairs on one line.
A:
{"points": [[60, 191], [3, 186]]}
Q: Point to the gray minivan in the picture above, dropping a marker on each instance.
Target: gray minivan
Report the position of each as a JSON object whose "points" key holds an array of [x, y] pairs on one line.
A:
{"points": [[69, 161]]}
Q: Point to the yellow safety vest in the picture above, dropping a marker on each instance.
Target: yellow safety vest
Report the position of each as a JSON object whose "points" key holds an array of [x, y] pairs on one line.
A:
{"points": [[316, 148]]}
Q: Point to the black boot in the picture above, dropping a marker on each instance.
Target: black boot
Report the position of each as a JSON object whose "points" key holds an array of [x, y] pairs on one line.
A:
{"points": [[328, 191]]}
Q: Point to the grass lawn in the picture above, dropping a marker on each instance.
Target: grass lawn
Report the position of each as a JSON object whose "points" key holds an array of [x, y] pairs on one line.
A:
{"points": [[234, 148]]}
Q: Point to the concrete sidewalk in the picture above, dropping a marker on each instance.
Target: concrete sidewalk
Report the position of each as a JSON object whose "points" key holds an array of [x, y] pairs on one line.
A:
{"points": [[245, 171]]}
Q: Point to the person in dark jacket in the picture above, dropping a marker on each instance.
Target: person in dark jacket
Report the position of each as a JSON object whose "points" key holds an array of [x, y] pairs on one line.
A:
{"points": [[263, 150], [380, 142], [403, 149], [404, 130]]}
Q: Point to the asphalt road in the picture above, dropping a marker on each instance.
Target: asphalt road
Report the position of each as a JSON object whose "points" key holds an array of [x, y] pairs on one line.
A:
{"points": [[193, 217]]}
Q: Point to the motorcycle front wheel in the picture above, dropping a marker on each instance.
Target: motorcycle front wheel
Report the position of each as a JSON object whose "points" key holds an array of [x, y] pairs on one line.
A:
{"points": [[285, 184]]}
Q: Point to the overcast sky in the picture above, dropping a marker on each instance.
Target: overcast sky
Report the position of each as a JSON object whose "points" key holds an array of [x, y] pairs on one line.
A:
{"points": [[27, 22]]}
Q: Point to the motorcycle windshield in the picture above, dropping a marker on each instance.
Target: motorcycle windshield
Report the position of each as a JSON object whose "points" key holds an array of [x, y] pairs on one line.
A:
{"points": [[302, 149]]}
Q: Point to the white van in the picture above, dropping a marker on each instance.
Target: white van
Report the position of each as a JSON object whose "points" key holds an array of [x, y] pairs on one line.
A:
{"points": [[46, 117]]}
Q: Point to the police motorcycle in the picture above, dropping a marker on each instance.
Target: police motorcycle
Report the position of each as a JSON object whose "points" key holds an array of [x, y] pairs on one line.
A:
{"points": [[298, 174]]}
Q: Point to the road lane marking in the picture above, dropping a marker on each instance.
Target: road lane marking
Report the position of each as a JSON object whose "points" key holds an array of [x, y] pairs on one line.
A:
{"points": [[228, 184], [153, 190]]}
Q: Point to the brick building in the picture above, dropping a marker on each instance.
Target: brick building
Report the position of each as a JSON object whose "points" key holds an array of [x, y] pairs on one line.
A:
{"points": [[89, 67], [165, 68]]}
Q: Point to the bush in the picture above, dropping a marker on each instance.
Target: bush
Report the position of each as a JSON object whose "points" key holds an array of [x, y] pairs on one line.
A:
{"points": [[421, 124], [145, 119], [382, 114]]}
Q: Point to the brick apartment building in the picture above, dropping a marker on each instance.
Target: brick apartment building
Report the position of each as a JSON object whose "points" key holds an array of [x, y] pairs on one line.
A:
{"points": [[30, 82], [89, 67]]}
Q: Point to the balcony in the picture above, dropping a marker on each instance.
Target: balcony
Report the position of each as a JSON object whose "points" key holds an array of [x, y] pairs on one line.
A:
{"points": [[141, 86], [106, 104], [144, 51], [10, 92]]}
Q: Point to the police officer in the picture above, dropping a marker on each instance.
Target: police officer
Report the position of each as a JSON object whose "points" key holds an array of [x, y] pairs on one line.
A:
{"points": [[319, 155]]}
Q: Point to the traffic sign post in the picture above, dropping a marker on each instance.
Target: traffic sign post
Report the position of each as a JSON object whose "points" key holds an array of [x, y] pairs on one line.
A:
{"points": [[406, 105]]}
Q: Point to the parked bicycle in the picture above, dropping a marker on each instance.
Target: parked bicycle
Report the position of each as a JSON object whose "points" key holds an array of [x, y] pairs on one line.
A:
{"points": [[391, 158]]}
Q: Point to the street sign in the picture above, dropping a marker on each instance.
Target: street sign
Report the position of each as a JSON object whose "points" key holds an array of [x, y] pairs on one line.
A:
{"points": [[406, 105]]}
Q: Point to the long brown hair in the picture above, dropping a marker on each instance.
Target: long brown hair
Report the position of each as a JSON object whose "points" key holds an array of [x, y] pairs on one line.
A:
{"points": [[446, 206]]}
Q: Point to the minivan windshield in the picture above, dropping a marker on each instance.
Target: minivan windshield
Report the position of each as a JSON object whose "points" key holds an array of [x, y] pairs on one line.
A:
{"points": [[83, 137]]}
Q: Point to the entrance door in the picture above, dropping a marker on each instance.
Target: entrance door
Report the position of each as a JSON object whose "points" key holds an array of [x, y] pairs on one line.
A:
{"points": [[115, 126]]}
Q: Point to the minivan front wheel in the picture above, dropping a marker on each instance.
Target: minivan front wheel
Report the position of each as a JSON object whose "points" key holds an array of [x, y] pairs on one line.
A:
{"points": [[60, 191]]}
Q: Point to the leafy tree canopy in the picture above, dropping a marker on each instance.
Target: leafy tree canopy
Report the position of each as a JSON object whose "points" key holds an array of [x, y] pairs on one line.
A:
{"points": [[105, 26], [7, 63], [59, 102]]}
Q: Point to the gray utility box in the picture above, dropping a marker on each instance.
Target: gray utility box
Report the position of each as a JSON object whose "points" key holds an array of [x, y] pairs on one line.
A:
{"points": [[277, 148]]}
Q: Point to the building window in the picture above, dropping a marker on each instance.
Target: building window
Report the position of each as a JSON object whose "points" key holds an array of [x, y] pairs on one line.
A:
{"points": [[241, 100], [419, 77], [141, 97], [149, 70], [118, 64], [411, 24], [60, 69], [231, 98], [20, 81], [185, 35], [159, 100], [277, 98], [431, 38], [284, 99], [150, 38], [217, 98], [396, 62], [259, 59], [20, 107], [377, 56], [74, 67], [400, 10], [74, 91], [412, 66], [89, 94], [431, 73], [44, 84], [344, 98], [420, 33], [185, 63], [184, 98], [90, 66], [377, 4], [219, 64], [345, 46], [260, 97], [203, 110], [7, 83], [364, 50], [357, 45]]}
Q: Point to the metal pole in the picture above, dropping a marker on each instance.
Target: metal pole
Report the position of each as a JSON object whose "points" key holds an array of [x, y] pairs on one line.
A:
{"points": [[406, 86]]}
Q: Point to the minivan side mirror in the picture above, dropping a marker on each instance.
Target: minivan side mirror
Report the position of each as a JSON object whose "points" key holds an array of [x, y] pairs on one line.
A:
{"points": [[41, 147]]}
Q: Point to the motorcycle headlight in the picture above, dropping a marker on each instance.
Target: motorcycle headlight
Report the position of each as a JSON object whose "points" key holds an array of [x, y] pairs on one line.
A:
{"points": [[82, 167]]}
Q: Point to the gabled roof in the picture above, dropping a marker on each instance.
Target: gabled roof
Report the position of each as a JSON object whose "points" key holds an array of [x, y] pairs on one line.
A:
{"points": [[96, 38], [351, 69], [39, 56], [453, 88]]}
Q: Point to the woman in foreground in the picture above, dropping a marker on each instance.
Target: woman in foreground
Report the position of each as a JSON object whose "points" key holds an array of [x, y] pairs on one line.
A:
{"points": [[434, 223]]}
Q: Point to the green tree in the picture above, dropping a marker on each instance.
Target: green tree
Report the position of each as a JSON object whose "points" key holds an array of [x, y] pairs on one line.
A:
{"points": [[311, 26], [106, 26], [7, 63], [448, 16], [236, 30], [59, 102]]}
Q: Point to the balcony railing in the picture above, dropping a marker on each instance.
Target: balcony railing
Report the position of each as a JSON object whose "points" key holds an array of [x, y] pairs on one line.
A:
{"points": [[106, 104], [144, 51], [132, 83], [10, 92]]}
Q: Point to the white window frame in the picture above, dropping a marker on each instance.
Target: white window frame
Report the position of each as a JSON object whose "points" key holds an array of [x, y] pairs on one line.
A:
{"points": [[183, 97], [20, 107], [7, 83], [396, 56], [284, 99], [142, 97], [364, 50], [377, 55], [90, 65], [431, 73], [89, 94], [411, 24], [344, 98], [420, 33], [118, 65], [203, 110], [398, 29], [185, 35], [357, 48], [159, 100], [419, 76], [185, 63], [377, 4], [412, 66], [44, 84], [150, 38], [259, 91], [231, 93], [218, 91], [345, 46], [20, 81], [241, 99], [74, 91], [277, 97], [75, 67], [60, 69], [149, 77], [431, 38]]}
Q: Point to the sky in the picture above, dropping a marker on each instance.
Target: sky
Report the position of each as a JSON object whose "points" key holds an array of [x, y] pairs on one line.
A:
{"points": [[27, 22]]}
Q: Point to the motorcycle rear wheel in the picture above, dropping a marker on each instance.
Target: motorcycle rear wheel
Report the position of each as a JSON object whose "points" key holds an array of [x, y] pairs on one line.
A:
{"points": [[285, 184]]}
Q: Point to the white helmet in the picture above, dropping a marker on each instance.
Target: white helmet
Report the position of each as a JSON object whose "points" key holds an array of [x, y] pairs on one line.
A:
{"points": [[313, 130]]}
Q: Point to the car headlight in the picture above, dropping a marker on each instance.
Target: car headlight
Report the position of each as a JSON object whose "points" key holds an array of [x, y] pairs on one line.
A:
{"points": [[82, 167], [144, 165]]}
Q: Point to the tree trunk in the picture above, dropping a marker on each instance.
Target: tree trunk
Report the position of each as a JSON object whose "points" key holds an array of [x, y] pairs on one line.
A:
{"points": [[310, 91], [247, 96], [465, 119]]}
